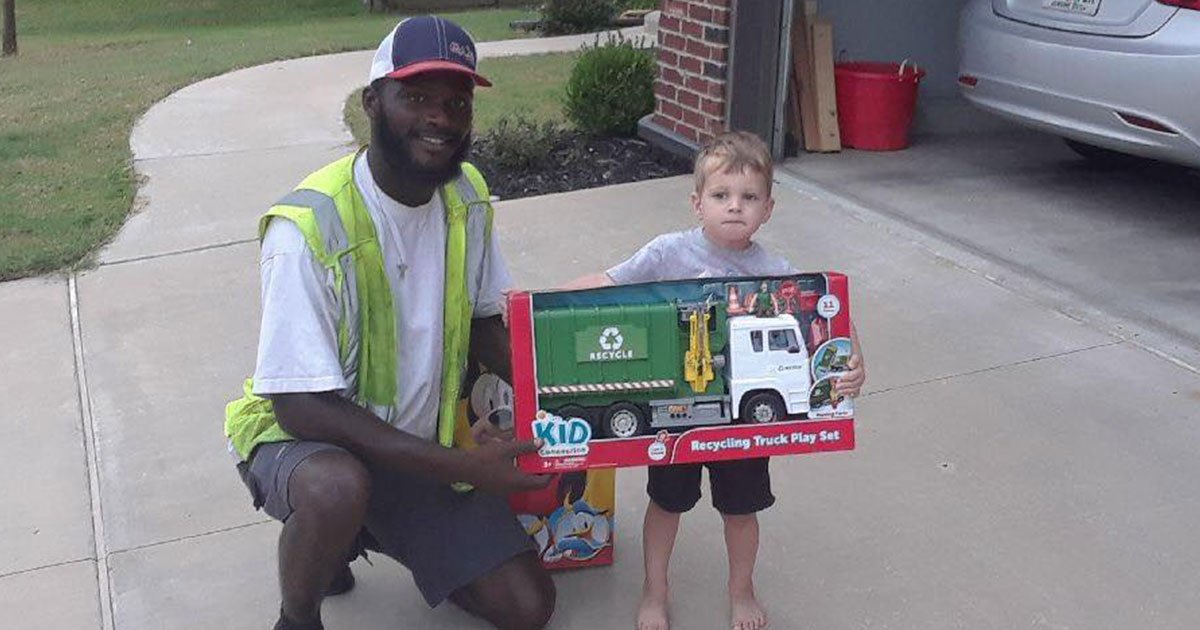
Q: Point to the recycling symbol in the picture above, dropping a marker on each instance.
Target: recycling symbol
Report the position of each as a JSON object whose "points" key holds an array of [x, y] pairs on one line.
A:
{"points": [[611, 339]]}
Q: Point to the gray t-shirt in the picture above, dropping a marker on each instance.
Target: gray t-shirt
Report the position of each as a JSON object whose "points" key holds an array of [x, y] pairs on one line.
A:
{"points": [[689, 254]]}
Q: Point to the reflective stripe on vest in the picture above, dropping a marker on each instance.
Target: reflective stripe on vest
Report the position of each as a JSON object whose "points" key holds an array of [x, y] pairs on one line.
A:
{"points": [[329, 225], [342, 238]]}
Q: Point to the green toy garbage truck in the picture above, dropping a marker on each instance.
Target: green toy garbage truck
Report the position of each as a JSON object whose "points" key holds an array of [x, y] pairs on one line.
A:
{"points": [[639, 368]]}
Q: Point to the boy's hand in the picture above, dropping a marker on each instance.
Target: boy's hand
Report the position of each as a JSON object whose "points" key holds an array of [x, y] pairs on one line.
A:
{"points": [[850, 382], [590, 281]]}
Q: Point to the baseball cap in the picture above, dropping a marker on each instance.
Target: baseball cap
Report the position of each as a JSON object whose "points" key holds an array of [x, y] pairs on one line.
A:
{"points": [[425, 44]]}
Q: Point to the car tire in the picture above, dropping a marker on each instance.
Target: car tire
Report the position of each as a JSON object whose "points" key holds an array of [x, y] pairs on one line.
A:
{"points": [[623, 420], [762, 408]]}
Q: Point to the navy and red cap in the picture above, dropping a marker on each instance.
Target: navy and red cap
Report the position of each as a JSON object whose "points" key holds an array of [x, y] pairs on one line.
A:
{"points": [[426, 44]]}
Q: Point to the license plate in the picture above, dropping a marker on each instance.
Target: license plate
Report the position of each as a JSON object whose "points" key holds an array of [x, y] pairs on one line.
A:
{"points": [[1083, 7]]}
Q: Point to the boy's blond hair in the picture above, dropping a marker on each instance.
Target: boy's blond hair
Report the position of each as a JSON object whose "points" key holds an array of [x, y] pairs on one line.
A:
{"points": [[736, 152]]}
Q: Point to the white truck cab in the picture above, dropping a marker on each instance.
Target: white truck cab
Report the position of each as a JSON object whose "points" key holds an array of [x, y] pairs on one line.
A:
{"points": [[768, 370]]}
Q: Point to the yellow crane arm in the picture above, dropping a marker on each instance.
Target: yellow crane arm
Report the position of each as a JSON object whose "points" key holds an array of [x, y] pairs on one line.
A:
{"points": [[697, 361]]}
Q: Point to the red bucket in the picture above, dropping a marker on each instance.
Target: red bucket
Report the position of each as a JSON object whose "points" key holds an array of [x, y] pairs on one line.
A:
{"points": [[876, 103]]}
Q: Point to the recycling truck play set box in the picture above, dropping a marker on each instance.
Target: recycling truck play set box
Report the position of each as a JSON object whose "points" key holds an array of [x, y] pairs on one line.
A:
{"points": [[683, 371]]}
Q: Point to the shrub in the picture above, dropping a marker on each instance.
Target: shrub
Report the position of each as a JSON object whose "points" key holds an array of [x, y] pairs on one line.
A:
{"points": [[561, 17], [515, 143], [611, 87]]}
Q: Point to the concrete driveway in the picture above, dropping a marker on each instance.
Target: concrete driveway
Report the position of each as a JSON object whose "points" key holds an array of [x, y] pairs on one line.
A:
{"points": [[1119, 247], [1018, 466]]}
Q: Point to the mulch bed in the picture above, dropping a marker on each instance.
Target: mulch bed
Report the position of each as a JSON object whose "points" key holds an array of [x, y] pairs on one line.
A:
{"points": [[578, 161]]}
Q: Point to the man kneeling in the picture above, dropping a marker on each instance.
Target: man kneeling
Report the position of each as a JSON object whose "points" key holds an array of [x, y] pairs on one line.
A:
{"points": [[380, 273]]}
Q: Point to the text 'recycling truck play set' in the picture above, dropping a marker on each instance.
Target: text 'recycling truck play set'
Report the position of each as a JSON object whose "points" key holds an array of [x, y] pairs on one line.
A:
{"points": [[681, 372]]}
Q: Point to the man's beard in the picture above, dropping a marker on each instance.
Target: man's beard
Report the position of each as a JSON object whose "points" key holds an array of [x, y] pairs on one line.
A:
{"points": [[397, 152]]}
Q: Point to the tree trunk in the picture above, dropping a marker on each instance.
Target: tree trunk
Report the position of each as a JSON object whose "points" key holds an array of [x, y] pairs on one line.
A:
{"points": [[10, 27]]}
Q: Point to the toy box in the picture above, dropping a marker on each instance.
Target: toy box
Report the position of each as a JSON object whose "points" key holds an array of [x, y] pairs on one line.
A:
{"points": [[572, 520], [684, 371]]}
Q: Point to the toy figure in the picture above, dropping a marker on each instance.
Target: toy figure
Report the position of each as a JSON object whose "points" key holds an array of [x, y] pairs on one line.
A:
{"points": [[763, 303], [789, 297], [734, 300]]}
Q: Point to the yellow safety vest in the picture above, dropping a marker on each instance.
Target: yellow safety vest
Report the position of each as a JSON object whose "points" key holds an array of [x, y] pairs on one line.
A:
{"points": [[338, 229]]}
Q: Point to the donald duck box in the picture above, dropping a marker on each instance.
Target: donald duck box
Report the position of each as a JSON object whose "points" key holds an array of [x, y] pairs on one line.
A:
{"points": [[571, 520], [679, 372]]}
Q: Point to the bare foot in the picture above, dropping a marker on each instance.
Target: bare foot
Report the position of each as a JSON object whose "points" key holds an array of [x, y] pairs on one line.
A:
{"points": [[745, 612], [652, 613]]}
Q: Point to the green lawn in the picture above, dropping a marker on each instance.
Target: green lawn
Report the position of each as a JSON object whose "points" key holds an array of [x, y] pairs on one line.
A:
{"points": [[531, 86], [88, 68]]}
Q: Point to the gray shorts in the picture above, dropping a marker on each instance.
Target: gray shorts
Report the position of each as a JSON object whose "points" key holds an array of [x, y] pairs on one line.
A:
{"points": [[447, 539]]}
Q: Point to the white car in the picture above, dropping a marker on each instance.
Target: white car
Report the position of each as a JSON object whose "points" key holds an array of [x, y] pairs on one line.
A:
{"points": [[1109, 76]]}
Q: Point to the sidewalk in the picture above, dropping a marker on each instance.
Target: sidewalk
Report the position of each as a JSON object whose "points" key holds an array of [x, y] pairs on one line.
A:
{"points": [[1015, 468]]}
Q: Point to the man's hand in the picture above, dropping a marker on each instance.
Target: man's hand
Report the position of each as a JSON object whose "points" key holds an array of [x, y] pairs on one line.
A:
{"points": [[493, 471], [483, 431], [850, 382]]}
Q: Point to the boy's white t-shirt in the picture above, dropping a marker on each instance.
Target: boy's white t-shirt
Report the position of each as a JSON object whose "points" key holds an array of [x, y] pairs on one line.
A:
{"points": [[298, 349], [689, 254]]}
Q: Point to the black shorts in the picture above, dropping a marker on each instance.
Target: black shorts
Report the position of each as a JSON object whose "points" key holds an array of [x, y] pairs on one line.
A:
{"points": [[740, 486], [447, 539]]}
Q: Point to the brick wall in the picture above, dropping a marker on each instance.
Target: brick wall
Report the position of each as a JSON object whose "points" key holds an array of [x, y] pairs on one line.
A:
{"points": [[693, 60]]}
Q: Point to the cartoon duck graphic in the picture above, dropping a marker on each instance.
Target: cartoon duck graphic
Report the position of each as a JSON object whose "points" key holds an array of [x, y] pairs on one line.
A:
{"points": [[575, 531], [578, 530], [535, 526]]}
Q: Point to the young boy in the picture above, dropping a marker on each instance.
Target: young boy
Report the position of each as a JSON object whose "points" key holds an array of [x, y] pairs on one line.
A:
{"points": [[732, 200]]}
